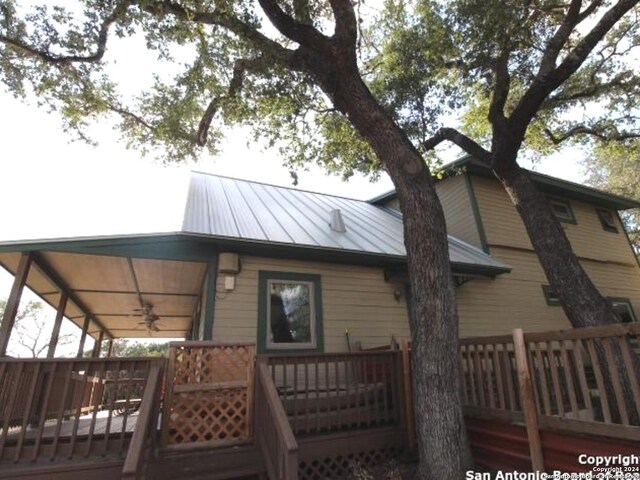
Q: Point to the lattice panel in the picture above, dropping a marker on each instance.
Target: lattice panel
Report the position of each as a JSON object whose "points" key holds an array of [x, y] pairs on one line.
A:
{"points": [[219, 416], [346, 465], [209, 394], [210, 364]]}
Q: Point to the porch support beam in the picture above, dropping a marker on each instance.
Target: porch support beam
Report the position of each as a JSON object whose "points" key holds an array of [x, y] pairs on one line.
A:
{"points": [[83, 337], [110, 348], [13, 302], [53, 277], [210, 307], [98, 345], [55, 333]]}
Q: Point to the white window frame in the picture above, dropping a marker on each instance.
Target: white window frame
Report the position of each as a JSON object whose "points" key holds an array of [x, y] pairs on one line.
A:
{"points": [[312, 318]]}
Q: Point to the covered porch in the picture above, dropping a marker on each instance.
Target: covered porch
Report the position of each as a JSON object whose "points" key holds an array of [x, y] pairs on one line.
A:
{"points": [[59, 413]]}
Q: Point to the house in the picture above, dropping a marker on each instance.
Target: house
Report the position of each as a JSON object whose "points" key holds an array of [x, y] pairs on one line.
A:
{"points": [[298, 278], [478, 211]]}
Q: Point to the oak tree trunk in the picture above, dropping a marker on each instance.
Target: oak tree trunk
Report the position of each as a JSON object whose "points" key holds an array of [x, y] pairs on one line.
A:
{"points": [[442, 439], [582, 302]]}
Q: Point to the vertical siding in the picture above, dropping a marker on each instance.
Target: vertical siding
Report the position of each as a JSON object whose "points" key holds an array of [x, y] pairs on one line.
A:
{"points": [[354, 297]]}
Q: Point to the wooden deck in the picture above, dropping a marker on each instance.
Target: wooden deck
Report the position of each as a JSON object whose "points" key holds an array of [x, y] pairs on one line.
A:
{"points": [[309, 416], [86, 425]]}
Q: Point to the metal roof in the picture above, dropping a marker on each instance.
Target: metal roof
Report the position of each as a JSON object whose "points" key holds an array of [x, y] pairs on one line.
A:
{"points": [[238, 209]]}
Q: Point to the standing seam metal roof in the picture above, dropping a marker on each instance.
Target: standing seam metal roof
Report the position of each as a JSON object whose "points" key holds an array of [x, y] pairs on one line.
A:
{"points": [[255, 211]]}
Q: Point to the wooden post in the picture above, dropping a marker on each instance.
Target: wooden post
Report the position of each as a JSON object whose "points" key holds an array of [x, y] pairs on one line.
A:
{"points": [[110, 348], [55, 333], [11, 309], [408, 394], [83, 337], [528, 401], [98, 345]]}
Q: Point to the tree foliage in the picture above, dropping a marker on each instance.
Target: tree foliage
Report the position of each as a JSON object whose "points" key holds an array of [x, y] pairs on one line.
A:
{"points": [[616, 167], [123, 347], [31, 329]]}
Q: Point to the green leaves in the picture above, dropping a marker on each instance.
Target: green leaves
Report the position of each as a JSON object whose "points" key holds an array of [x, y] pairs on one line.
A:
{"points": [[615, 167], [429, 63]]}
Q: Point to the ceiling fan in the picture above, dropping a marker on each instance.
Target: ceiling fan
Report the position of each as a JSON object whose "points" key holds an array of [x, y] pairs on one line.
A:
{"points": [[149, 318]]}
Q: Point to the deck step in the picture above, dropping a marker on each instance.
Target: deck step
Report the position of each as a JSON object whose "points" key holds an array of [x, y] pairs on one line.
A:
{"points": [[93, 468], [212, 464], [339, 419]]}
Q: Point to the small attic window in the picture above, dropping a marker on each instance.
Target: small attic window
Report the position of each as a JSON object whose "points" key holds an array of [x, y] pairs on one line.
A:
{"points": [[336, 222], [562, 210], [607, 220], [550, 296]]}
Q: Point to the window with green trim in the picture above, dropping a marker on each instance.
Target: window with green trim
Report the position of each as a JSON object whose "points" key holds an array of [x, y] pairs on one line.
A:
{"points": [[607, 220], [623, 308], [550, 296], [289, 312], [562, 210]]}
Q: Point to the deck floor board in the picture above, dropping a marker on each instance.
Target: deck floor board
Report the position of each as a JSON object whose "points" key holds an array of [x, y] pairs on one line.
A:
{"points": [[84, 427]]}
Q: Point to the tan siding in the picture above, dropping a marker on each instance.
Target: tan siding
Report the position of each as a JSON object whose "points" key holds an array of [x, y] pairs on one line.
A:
{"points": [[503, 226], [515, 300], [458, 211], [355, 298], [393, 203]]}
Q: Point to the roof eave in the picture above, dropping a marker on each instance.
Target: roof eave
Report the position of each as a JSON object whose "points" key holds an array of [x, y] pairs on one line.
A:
{"points": [[548, 183]]}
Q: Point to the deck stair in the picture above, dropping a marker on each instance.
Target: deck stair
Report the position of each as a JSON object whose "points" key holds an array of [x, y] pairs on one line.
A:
{"points": [[210, 464]]}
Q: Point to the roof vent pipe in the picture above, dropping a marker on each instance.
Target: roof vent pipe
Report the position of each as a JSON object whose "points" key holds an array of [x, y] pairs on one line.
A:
{"points": [[337, 222]]}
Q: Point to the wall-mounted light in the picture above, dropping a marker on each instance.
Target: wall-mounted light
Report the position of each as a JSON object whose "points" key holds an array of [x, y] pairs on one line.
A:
{"points": [[397, 294]]}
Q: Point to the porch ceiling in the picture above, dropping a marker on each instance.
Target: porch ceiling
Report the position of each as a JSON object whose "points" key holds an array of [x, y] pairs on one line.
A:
{"points": [[112, 289]]}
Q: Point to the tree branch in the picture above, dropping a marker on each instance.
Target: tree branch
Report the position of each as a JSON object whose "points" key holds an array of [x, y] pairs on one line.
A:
{"points": [[301, 33], [225, 20], [595, 89], [501, 88], [346, 32], [559, 39], [52, 59], [558, 138], [461, 140], [240, 67], [543, 85]]}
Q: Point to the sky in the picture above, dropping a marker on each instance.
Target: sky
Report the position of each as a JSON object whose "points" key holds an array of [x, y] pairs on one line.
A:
{"points": [[52, 186]]}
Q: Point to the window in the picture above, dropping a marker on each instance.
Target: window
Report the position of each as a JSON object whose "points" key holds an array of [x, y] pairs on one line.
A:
{"points": [[289, 312], [562, 210], [622, 306], [607, 220], [550, 296]]}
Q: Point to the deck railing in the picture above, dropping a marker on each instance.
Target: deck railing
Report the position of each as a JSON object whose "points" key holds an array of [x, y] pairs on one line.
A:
{"points": [[143, 440], [583, 379], [337, 391], [66, 408], [274, 436]]}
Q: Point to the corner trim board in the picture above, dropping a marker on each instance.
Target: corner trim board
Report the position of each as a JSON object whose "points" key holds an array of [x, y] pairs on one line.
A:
{"points": [[476, 212], [210, 306]]}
